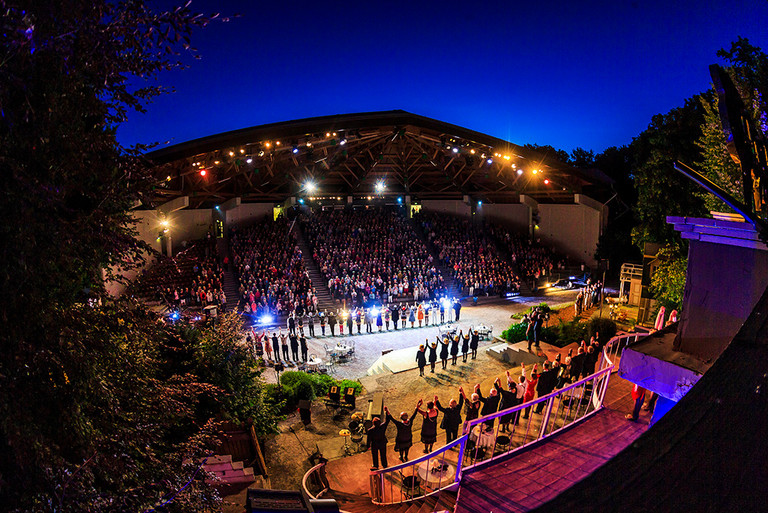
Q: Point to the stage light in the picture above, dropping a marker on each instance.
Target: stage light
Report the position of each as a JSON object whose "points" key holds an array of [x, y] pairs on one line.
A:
{"points": [[455, 149], [168, 178], [231, 153], [301, 200], [334, 134], [342, 142], [309, 186], [216, 162], [480, 203], [519, 171], [242, 150], [277, 143], [249, 160], [175, 316], [202, 172], [309, 144], [399, 199], [374, 312], [261, 153], [295, 149], [164, 222], [327, 134], [546, 181], [380, 186], [265, 319], [490, 161], [267, 144], [535, 171], [218, 207], [472, 151]]}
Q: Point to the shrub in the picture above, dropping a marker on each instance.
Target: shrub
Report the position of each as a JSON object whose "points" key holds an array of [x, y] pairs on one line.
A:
{"points": [[605, 327], [515, 333], [345, 383], [322, 384], [297, 386], [545, 307]]}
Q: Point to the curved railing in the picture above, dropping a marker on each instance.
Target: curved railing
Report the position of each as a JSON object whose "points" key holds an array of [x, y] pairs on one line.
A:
{"points": [[312, 478], [498, 435]]}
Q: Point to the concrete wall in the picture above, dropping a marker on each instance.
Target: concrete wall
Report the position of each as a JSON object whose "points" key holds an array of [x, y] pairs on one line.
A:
{"points": [[572, 229], [247, 213], [189, 225], [513, 214], [455, 207]]}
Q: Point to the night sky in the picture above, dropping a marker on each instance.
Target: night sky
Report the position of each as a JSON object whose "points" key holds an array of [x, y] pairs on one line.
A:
{"points": [[569, 74]]}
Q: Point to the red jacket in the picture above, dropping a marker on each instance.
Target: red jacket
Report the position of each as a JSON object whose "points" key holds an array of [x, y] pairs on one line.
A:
{"points": [[637, 392]]}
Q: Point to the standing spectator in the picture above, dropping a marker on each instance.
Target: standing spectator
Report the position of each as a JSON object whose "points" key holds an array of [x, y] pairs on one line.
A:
{"points": [[490, 405], [473, 403], [547, 381], [508, 400], [451, 417], [332, 322], [638, 395]]}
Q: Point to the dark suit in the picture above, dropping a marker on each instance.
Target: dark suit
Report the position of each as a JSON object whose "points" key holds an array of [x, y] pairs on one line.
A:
{"points": [[451, 419], [377, 439]]}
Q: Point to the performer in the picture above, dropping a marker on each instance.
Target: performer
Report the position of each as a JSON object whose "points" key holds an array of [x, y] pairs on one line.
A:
{"points": [[322, 322], [464, 347], [444, 350], [377, 439], [294, 346], [473, 405], [432, 355], [490, 405], [421, 359], [508, 400], [404, 437], [451, 417], [455, 348], [276, 345], [429, 425], [304, 349], [474, 343]]}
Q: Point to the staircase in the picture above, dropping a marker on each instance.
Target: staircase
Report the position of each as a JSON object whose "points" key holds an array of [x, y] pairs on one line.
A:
{"points": [[325, 301], [228, 472], [452, 289], [230, 284]]}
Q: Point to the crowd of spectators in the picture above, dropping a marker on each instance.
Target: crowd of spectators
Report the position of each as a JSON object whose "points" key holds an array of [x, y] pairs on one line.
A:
{"points": [[532, 260], [371, 254], [192, 278], [463, 246], [271, 274]]}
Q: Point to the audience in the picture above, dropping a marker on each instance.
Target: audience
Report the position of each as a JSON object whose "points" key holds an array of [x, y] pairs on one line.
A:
{"points": [[371, 254]]}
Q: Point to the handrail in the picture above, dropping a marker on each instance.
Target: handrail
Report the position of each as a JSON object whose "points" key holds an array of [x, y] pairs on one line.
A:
{"points": [[306, 477], [575, 403]]}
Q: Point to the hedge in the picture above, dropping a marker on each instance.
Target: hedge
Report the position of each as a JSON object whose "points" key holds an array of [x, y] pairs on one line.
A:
{"points": [[298, 385]]}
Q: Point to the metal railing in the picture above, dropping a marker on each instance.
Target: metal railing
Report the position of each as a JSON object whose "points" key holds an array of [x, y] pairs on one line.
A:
{"points": [[498, 435], [312, 479]]}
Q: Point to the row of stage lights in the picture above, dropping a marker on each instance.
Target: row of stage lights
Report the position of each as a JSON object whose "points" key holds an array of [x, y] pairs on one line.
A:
{"points": [[379, 186]]}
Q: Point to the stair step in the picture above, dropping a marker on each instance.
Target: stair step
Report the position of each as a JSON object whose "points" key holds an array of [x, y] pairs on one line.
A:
{"points": [[219, 458], [229, 465]]}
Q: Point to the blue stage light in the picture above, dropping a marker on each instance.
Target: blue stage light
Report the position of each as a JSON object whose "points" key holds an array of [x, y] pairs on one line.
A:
{"points": [[266, 319]]}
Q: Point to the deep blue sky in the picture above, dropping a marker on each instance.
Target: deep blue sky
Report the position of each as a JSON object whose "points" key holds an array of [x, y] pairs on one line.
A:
{"points": [[569, 74]]}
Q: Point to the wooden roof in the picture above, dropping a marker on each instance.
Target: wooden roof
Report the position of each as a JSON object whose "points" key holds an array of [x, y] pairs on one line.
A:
{"points": [[349, 154]]}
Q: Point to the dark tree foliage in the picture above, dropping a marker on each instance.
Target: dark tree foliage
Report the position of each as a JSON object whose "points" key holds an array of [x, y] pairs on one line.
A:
{"points": [[661, 190], [92, 416], [748, 65], [550, 151]]}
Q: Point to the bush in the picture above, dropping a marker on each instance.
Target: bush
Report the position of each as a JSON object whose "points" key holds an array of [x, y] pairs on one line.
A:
{"points": [[605, 327], [322, 384], [297, 386], [545, 307], [515, 333], [345, 383]]}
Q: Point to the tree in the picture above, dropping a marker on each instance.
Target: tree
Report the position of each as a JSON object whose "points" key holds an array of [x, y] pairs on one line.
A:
{"points": [[92, 418], [668, 281], [550, 151], [748, 65], [661, 190], [715, 161]]}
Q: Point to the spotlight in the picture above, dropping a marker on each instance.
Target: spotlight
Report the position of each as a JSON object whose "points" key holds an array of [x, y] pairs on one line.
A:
{"points": [[231, 153], [249, 160], [374, 312], [242, 150], [472, 151], [309, 186], [295, 149], [455, 149], [490, 161], [309, 144], [175, 316], [480, 203], [519, 171], [399, 199], [380, 186], [218, 207], [261, 153], [216, 162], [277, 143], [342, 142], [265, 319], [301, 200], [202, 172], [164, 222], [546, 181], [535, 171]]}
